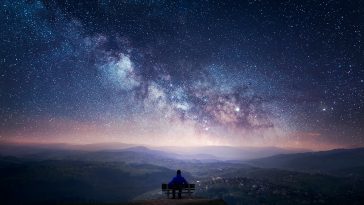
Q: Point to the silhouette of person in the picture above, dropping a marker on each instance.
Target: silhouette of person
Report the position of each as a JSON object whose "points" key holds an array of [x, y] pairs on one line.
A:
{"points": [[177, 183]]}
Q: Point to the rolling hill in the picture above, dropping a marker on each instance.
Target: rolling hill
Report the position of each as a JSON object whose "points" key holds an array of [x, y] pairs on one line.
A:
{"points": [[339, 161]]}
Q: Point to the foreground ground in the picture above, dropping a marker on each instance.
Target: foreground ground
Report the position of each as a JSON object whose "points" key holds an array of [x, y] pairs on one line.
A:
{"points": [[193, 201], [179, 202]]}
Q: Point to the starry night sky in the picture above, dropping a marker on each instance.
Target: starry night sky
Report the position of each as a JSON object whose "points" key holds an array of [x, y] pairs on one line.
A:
{"points": [[240, 73]]}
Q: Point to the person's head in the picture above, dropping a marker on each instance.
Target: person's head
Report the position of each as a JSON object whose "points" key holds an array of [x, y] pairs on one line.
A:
{"points": [[178, 172]]}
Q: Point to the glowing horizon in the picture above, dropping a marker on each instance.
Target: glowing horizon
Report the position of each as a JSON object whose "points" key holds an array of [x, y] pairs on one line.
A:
{"points": [[183, 135]]}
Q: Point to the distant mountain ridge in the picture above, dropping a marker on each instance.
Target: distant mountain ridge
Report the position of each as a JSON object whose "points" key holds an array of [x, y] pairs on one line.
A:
{"points": [[207, 153], [230, 152], [332, 161]]}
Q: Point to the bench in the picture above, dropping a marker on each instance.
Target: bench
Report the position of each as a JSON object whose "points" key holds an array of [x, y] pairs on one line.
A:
{"points": [[186, 188]]}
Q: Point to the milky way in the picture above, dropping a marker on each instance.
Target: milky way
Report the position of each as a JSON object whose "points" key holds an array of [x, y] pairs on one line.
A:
{"points": [[239, 73]]}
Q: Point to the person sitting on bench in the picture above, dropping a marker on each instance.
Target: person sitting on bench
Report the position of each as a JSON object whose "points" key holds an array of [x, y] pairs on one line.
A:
{"points": [[177, 183]]}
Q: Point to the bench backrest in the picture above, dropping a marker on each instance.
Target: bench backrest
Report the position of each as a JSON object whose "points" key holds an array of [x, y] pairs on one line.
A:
{"points": [[185, 186]]}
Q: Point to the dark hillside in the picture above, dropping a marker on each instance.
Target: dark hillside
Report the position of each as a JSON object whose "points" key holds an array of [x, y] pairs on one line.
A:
{"points": [[75, 181]]}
